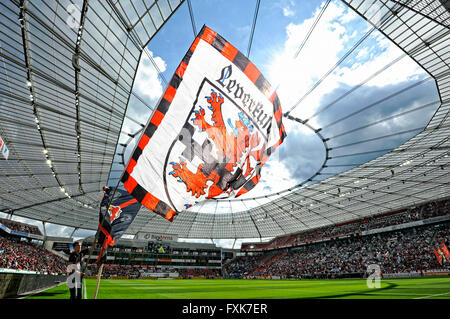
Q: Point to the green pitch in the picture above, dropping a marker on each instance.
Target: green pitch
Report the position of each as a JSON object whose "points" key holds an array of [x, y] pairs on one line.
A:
{"points": [[420, 288]]}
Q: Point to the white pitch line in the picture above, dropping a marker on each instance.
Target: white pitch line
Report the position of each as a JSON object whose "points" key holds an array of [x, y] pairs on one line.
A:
{"points": [[392, 294], [427, 296]]}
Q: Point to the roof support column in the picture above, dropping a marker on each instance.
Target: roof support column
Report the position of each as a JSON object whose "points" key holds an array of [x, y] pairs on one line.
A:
{"points": [[73, 232], [45, 232]]}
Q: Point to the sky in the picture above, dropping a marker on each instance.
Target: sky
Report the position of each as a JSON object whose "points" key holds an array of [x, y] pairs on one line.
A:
{"points": [[280, 30]]}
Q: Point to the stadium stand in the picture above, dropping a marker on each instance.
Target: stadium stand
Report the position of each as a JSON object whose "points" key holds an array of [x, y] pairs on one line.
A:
{"points": [[423, 212], [16, 254], [120, 271], [21, 227], [143, 271], [408, 250], [24, 256], [345, 250], [242, 266], [188, 273]]}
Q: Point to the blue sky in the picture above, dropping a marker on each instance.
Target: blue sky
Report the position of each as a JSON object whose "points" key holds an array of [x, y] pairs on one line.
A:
{"points": [[280, 29]]}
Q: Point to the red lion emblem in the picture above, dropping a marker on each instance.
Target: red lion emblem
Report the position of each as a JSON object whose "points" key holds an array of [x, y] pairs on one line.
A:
{"points": [[114, 212], [230, 148]]}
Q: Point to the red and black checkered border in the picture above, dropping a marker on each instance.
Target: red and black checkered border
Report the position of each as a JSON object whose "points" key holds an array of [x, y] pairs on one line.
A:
{"points": [[249, 69]]}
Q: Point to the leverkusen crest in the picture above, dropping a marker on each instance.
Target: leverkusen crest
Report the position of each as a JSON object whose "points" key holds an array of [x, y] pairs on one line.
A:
{"points": [[114, 212], [218, 149]]}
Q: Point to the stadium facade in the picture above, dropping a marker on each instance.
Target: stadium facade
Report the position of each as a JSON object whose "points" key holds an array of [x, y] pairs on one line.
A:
{"points": [[68, 84]]}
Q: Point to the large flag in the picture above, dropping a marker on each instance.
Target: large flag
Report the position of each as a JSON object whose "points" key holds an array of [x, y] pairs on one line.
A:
{"points": [[444, 249], [3, 148], [438, 255], [213, 130], [120, 214]]}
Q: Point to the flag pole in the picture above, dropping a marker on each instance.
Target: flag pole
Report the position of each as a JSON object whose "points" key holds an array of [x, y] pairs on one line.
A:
{"points": [[117, 185], [98, 231], [110, 201], [99, 275], [106, 213], [102, 251]]}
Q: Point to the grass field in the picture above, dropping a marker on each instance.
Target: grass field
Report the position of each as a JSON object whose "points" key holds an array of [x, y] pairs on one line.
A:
{"points": [[420, 288]]}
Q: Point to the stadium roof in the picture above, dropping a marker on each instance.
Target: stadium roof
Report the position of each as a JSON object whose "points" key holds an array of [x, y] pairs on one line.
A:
{"points": [[65, 98], [66, 82]]}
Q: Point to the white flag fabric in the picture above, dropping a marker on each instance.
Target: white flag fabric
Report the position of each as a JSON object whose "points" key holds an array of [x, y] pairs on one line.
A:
{"points": [[5, 152], [213, 130], [3, 148]]}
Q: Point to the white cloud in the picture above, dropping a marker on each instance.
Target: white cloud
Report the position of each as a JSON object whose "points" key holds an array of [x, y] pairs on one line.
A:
{"points": [[362, 53], [348, 16], [404, 70], [288, 12], [148, 85], [296, 76], [58, 230], [287, 6], [275, 176], [330, 40], [225, 243], [147, 82]]}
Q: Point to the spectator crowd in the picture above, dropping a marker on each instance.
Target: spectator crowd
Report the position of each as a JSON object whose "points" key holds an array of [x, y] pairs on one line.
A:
{"points": [[408, 250], [21, 227], [187, 273], [426, 211], [31, 257], [138, 271]]}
